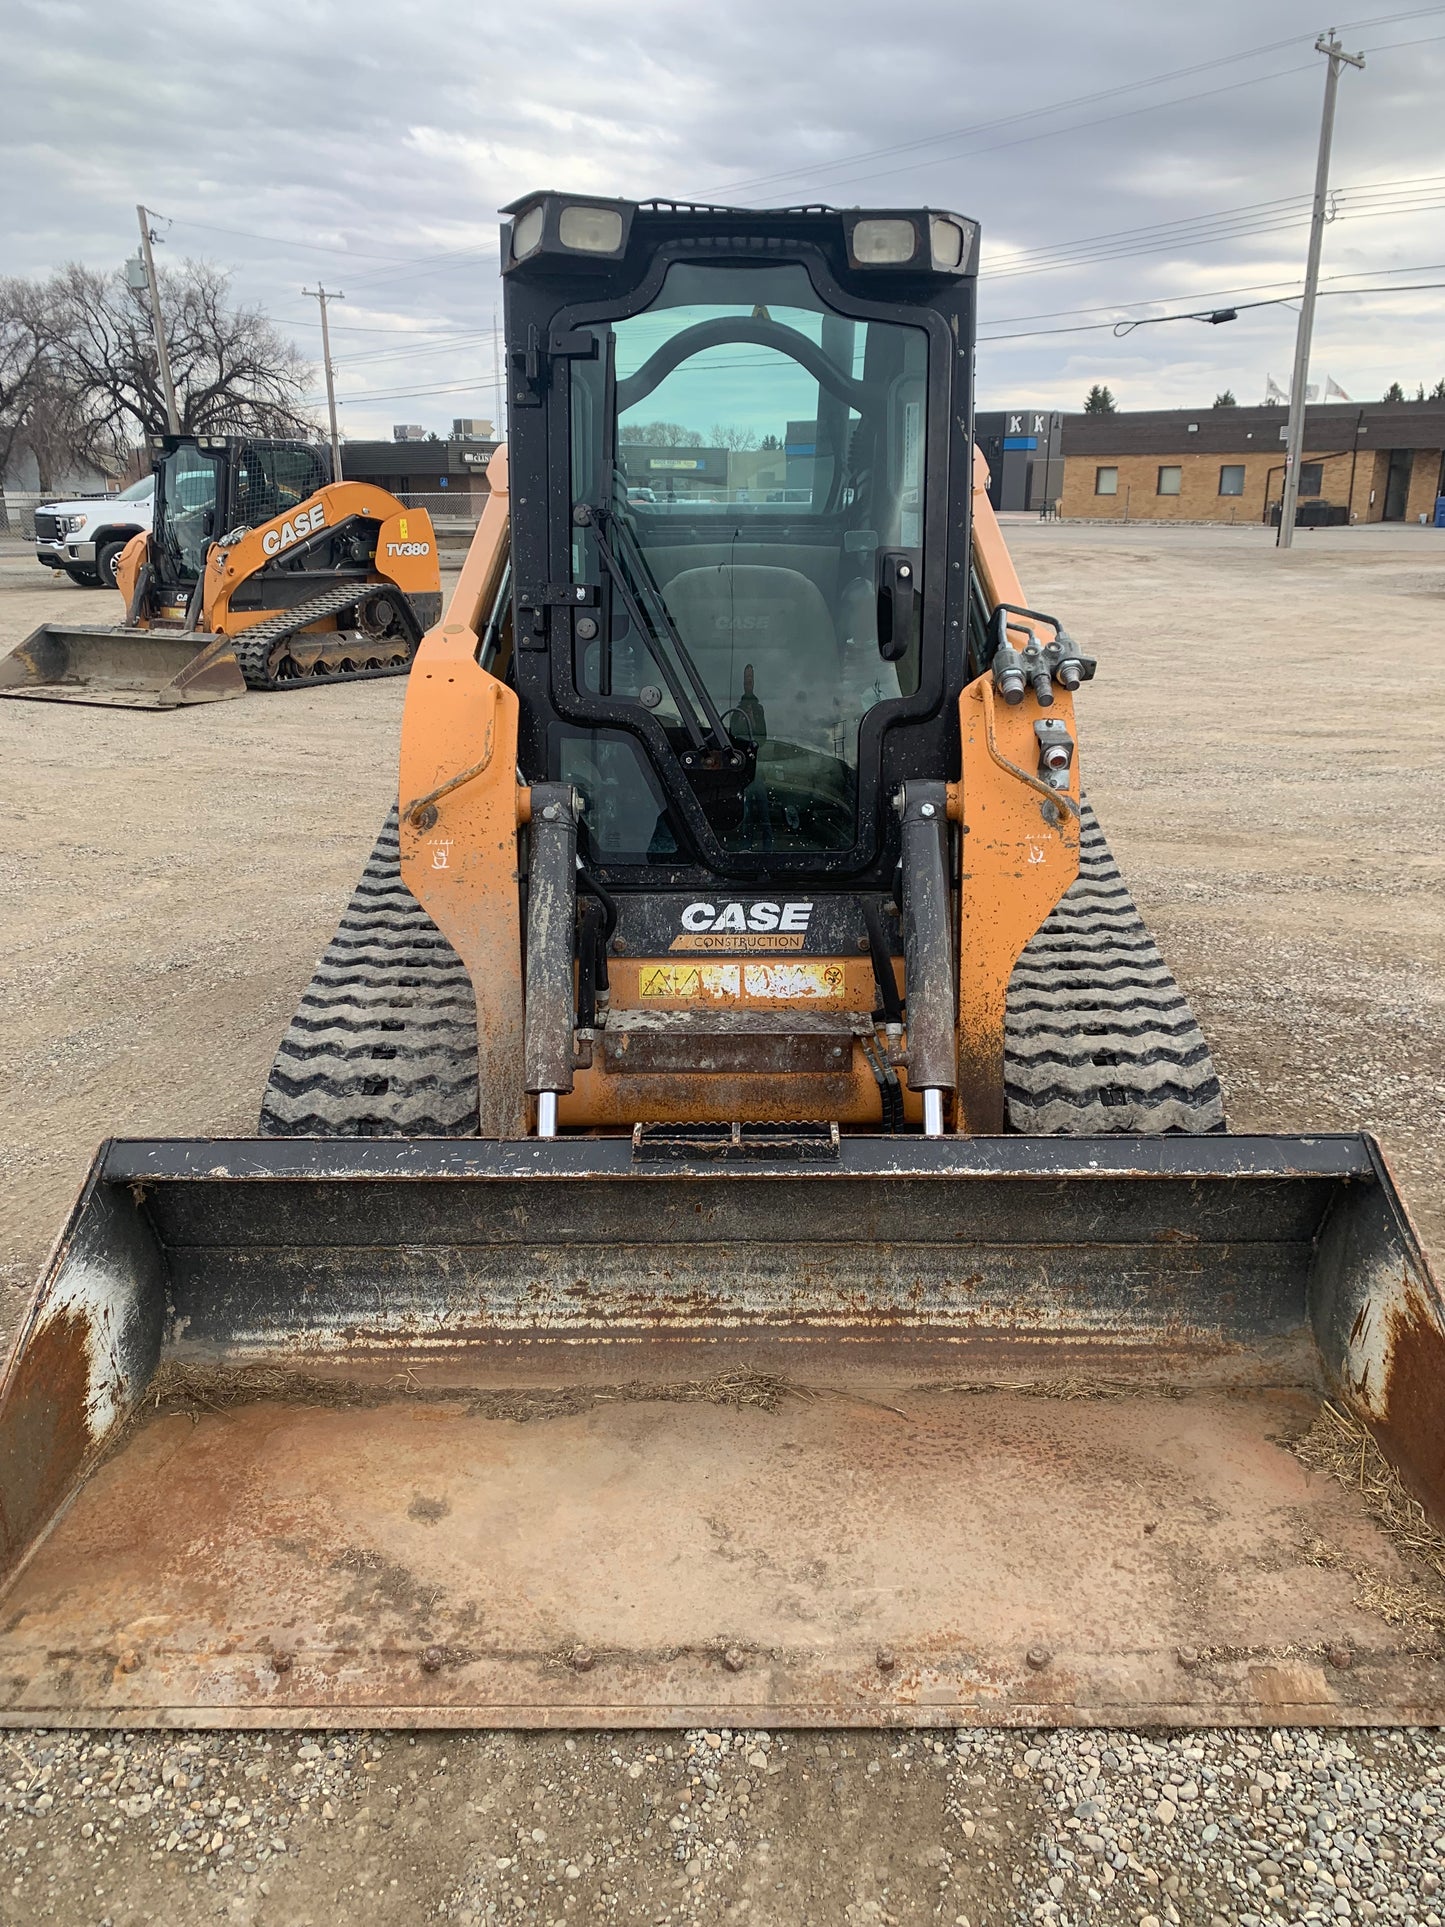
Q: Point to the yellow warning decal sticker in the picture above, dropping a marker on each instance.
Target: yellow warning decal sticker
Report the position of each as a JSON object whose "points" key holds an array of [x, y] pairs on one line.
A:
{"points": [[677, 982], [793, 980]]}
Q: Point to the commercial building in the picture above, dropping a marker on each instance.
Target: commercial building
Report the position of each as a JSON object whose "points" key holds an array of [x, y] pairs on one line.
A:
{"points": [[447, 477], [1377, 463], [1025, 454]]}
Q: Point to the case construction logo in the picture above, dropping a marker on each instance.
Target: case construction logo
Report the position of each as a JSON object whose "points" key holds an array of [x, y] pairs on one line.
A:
{"points": [[738, 928]]}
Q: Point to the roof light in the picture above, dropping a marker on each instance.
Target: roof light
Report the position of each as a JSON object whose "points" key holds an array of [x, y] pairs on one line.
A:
{"points": [[884, 243], [950, 241], [946, 240], [527, 232], [594, 230]]}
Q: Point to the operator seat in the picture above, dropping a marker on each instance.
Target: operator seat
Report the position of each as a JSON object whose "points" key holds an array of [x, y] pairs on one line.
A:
{"points": [[736, 614]]}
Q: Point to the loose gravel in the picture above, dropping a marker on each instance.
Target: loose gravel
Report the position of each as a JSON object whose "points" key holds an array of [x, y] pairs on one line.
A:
{"points": [[969, 1828]]}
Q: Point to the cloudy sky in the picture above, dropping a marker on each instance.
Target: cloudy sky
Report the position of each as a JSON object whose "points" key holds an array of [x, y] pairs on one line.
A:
{"points": [[1124, 158]]}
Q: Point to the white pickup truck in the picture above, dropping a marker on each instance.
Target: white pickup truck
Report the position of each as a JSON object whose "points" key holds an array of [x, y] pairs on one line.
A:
{"points": [[85, 537]]}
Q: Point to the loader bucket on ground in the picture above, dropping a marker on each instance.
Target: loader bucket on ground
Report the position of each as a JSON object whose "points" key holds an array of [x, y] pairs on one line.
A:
{"points": [[999, 1431], [123, 668]]}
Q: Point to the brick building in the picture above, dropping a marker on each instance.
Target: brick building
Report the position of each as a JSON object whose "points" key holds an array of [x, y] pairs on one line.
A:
{"points": [[444, 475], [1378, 463]]}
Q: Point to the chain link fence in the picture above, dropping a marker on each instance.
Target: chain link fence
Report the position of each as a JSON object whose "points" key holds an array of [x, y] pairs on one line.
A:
{"points": [[17, 511]]}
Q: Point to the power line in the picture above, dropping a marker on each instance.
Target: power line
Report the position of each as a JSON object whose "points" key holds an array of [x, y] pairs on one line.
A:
{"points": [[1363, 189], [1005, 120], [1420, 201], [1077, 127], [818, 169], [422, 261], [417, 348], [1126, 326], [1207, 294], [409, 394]]}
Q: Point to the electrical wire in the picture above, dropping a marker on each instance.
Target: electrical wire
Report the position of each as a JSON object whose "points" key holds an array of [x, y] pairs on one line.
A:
{"points": [[1127, 326], [1184, 225], [817, 170], [1005, 120], [1209, 294]]}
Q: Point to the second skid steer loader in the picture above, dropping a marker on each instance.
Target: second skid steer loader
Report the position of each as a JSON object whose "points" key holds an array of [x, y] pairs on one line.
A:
{"points": [[742, 1229], [260, 572]]}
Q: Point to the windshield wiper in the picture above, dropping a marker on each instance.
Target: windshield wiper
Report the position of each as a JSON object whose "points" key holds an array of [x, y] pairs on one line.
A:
{"points": [[654, 623]]}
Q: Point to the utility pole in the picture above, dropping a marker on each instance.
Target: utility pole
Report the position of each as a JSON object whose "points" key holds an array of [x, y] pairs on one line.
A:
{"points": [[1295, 435], [321, 295], [173, 419]]}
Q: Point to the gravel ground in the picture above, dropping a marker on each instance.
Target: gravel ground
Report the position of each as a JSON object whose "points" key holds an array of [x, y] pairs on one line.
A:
{"points": [[969, 1828], [1282, 827]]}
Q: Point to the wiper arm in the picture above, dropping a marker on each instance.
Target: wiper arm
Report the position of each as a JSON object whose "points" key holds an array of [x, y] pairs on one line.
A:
{"points": [[655, 624]]}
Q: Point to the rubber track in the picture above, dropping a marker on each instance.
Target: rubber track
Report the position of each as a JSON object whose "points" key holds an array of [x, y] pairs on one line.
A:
{"points": [[1099, 1037], [255, 647], [384, 1042]]}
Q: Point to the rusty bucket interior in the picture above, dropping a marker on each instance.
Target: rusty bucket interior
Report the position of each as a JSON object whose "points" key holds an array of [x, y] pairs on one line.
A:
{"points": [[1004, 1431], [121, 668]]}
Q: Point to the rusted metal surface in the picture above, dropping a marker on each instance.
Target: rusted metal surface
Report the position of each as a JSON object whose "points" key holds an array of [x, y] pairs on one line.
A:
{"points": [[121, 668], [1380, 1316], [718, 1042], [87, 1345], [713, 1564], [483, 1401]]}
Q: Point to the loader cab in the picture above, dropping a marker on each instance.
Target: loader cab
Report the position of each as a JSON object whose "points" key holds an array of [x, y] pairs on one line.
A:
{"points": [[211, 485], [740, 484]]}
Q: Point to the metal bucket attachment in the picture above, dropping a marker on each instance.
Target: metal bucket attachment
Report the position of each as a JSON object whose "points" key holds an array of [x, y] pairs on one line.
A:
{"points": [[1006, 1431], [123, 668]]}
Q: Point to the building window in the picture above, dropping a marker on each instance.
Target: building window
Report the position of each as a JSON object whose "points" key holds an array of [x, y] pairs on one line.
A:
{"points": [[1106, 481], [1231, 478], [1169, 481], [1311, 477]]}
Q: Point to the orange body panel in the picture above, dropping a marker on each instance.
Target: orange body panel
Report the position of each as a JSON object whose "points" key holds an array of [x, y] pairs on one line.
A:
{"points": [[462, 805], [128, 568], [406, 549], [1020, 842]]}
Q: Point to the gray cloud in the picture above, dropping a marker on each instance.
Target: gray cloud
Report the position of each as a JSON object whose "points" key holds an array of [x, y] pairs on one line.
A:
{"points": [[372, 144]]}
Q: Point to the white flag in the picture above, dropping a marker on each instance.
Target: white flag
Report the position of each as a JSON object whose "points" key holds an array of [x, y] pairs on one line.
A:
{"points": [[1273, 391], [1312, 391], [1333, 390]]}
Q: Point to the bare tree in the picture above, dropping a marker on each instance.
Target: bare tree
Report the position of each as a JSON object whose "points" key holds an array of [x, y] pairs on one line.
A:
{"points": [[733, 437], [658, 435], [234, 372], [27, 335]]}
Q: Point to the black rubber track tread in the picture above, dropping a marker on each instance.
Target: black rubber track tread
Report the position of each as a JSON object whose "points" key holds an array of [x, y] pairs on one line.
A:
{"points": [[1099, 1036], [384, 1040], [255, 646]]}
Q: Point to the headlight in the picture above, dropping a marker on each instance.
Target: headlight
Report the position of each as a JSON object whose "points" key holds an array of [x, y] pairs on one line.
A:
{"points": [[549, 230], [527, 234], [922, 241], [596, 230], [949, 241], [879, 243], [75, 523]]}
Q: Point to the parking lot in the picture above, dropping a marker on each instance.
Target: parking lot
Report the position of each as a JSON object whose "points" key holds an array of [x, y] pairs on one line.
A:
{"points": [[1265, 746]]}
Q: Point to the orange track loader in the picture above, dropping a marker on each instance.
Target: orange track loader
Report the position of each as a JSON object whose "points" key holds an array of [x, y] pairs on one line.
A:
{"points": [[260, 573], [741, 1229]]}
